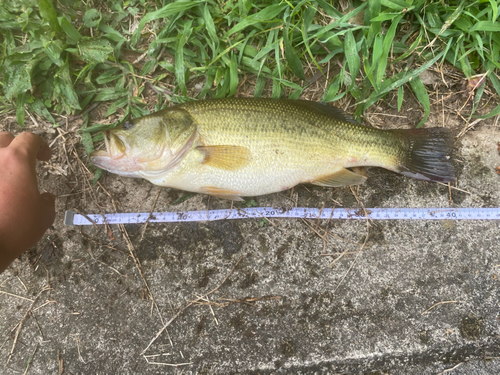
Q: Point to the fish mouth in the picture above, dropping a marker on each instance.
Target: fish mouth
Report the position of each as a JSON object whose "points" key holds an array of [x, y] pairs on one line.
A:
{"points": [[99, 153], [115, 150], [118, 157], [114, 158], [114, 145]]}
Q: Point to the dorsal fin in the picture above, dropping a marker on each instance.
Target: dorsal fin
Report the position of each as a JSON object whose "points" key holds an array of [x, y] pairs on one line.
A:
{"points": [[324, 109]]}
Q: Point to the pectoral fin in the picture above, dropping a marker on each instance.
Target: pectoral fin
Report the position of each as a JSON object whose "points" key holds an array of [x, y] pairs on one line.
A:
{"points": [[343, 177], [233, 195], [225, 156]]}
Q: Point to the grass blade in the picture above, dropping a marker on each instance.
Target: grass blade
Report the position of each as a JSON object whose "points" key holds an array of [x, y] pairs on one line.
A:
{"points": [[70, 30], [494, 7], [486, 26], [373, 11], [209, 24], [48, 13], [388, 42], [392, 84], [331, 91], [233, 75], [165, 12], [401, 94], [20, 101], [291, 58], [496, 84], [378, 50], [422, 96], [397, 5], [180, 73], [265, 15], [352, 56], [477, 97]]}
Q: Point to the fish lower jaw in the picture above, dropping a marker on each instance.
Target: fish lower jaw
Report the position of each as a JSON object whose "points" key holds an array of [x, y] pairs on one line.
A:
{"points": [[98, 153], [122, 166]]}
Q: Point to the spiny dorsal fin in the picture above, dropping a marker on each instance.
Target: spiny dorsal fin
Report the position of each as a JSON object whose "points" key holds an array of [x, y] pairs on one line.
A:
{"points": [[343, 177], [225, 156]]}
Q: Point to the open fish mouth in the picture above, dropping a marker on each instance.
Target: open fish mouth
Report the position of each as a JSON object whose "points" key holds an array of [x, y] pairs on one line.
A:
{"points": [[115, 148], [109, 158], [114, 145], [118, 157]]}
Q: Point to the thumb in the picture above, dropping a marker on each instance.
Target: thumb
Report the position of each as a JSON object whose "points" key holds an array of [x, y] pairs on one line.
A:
{"points": [[48, 213]]}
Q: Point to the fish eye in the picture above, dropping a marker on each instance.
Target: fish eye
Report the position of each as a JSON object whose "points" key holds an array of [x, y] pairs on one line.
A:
{"points": [[127, 125]]}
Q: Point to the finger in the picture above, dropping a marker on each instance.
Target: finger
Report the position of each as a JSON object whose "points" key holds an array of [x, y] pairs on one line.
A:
{"points": [[48, 210], [36, 147], [5, 139]]}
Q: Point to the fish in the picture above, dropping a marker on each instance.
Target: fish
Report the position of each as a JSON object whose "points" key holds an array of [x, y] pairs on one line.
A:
{"points": [[238, 147]]}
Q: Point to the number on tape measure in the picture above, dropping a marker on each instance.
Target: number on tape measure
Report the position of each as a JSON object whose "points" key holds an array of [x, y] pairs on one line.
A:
{"points": [[72, 218]]}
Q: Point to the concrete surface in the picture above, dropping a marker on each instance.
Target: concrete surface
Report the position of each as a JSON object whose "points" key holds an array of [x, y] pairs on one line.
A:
{"points": [[419, 297]]}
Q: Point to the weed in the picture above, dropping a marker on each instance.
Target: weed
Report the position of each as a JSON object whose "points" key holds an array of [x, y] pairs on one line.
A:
{"points": [[59, 58]]}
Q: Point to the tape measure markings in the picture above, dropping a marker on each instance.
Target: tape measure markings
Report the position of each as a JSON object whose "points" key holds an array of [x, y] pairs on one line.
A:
{"points": [[73, 218]]}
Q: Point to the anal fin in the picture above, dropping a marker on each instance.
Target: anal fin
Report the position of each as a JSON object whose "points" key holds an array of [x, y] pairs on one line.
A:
{"points": [[230, 194], [225, 156], [360, 170], [343, 177]]}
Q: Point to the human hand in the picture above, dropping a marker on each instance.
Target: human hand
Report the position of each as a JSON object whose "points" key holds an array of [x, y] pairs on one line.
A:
{"points": [[25, 214]]}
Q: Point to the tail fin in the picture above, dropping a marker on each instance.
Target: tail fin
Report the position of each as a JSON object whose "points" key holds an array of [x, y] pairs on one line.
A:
{"points": [[428, 155]]}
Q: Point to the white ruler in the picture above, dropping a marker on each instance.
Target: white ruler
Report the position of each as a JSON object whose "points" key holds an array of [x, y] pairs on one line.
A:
{"points": [[73, 218]]}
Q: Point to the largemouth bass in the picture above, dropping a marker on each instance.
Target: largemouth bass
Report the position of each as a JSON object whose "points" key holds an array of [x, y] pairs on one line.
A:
{"points": [[238, 147]]}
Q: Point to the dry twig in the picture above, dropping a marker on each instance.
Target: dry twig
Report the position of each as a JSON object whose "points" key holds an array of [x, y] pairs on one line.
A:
{"points": [[450, 369], [468, 127], [20, 324], [15, 295], [60, 362], [436, 304]]}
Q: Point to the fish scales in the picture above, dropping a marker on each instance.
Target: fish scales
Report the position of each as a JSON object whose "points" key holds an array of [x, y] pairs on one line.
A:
{"points": [[287, 144], [245, 147]]}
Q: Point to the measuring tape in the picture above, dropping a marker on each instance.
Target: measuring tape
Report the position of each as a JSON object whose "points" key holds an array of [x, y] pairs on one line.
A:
{"points": [[73, 218]]}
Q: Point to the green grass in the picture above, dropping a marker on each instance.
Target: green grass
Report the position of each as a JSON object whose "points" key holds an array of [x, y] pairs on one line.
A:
{"points": [[61, 57]]}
